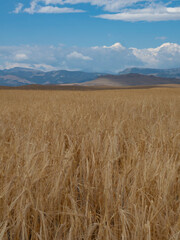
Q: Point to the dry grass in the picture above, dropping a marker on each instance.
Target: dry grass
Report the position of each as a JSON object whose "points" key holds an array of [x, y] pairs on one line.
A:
{"points": [[90, 165]]}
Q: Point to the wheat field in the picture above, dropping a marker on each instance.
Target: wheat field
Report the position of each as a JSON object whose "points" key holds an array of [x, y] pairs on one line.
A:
{"points": [[84, 165]]}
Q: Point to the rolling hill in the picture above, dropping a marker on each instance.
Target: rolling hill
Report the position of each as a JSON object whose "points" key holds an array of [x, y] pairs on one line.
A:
{"points": [[132, 79]]}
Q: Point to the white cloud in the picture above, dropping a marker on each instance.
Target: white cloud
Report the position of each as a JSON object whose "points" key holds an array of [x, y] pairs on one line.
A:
{"points": [[44, 67], [18, 8], [37, 8], [150, 14], [50, 9], [166, 55], [21, 56], [108, 5], [8, 65], [123, 10], [94, 59], [34, 8], [77, 55], [116, 46], [162, 38]]}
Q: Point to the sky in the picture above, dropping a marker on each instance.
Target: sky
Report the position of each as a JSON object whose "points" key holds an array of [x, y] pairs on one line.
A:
{"points": [[94, 36]]}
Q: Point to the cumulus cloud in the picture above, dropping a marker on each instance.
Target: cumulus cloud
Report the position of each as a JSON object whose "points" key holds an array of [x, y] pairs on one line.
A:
{"points": [[77, 55], [116, 46], [108, 59], [166, 55]]}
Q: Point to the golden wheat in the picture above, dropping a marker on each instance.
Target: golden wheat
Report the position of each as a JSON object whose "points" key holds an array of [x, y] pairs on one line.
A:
{"points": [[90, 165]]}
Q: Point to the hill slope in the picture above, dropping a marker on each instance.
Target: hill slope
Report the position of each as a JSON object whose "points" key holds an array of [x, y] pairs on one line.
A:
{"points": [[130, 80]]}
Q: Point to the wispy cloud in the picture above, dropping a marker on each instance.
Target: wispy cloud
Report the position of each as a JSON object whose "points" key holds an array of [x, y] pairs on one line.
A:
{"points": [[20, 56], [162, 38], [50, 9], [107, 5], [37, 8], [123, 10], [18, 8], [150, 14]]}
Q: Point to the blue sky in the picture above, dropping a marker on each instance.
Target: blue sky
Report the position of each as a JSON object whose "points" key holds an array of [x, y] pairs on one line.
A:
{"points": [[96, 35]]}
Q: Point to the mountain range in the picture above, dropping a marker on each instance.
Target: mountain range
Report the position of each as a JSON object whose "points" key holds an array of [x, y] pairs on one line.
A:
{"points": [[24, 76], [128, 77], [166, 73]]}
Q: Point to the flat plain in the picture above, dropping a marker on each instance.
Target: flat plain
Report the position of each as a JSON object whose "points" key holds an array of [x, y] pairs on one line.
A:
{"points": [[83, 165]]}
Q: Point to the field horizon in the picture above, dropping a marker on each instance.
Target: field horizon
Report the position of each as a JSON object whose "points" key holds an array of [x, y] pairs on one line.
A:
{"points": [[82, 87]]}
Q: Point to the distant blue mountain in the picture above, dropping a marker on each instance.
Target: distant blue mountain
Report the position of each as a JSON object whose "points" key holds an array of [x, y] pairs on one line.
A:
{"points": [[25, 76], [130, 76], [166, 73]]}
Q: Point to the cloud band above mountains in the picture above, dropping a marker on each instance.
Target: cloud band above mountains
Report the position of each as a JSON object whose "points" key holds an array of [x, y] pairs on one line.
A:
{"points": [[94, 59]]}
